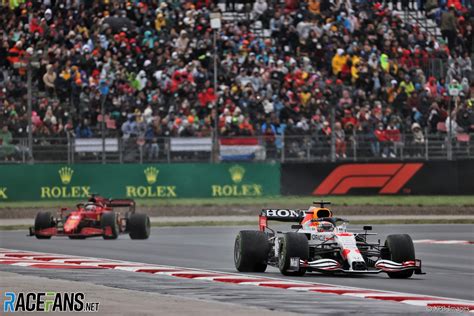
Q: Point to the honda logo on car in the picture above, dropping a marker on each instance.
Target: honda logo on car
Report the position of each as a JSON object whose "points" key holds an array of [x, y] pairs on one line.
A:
{"points": [[283, 213]]}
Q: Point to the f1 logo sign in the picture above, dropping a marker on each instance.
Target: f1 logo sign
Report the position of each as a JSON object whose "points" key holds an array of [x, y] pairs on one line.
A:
{"points": [[390, 177]]}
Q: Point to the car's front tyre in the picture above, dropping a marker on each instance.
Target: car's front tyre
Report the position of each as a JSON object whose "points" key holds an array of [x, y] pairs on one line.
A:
{"points": [[399, 248], [43, 220], [293, 245], [139, 226], [109, 219]]}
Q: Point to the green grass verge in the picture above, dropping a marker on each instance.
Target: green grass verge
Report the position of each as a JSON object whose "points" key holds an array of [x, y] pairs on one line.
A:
{"points": [[253, 223], [279, 201], [354, 222]]}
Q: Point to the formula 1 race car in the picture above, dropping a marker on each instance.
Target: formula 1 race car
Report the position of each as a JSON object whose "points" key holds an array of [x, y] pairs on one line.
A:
{"points": [[96, 217], [319, 244]]}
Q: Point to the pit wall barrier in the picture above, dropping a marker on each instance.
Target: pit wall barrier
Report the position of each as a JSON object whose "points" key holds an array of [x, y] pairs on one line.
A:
{"points": [[390, 178], [77, 181]]}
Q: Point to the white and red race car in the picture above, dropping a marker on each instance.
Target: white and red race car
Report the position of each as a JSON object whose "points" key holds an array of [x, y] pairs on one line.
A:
{"points": [[321, 243]]}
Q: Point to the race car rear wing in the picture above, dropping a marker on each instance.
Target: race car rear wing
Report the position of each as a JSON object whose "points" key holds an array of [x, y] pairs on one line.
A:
{"points": [[121, 203], [281, 215]]}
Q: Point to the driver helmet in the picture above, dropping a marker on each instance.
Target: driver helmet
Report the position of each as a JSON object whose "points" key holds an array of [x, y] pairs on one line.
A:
{"points": [[325, 227], [90, 208]]}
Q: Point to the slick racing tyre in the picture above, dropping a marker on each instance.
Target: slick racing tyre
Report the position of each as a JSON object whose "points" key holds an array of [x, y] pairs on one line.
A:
{"points": [[109, 220], [139, 226], [251, 250], [293, 245], [43, 220], [399, 249]]}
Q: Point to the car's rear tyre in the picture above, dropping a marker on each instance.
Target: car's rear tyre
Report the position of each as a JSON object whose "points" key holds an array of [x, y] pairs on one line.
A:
{"points": [[399, 248], [109, 219], [251, 250], [128, 215], [293, 245], [139, 226], [43, 220]]}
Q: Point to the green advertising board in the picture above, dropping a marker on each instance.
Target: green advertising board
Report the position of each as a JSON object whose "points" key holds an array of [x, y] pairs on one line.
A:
{"points": [[49, 182]]}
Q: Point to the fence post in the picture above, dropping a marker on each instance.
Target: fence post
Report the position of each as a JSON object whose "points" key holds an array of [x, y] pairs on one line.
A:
{"points": [[401, 145], [29, 110], [140, 149], [68, 148], [354, 145], [282, 159], [22, 146], [212, 159], [469, 147], [426, 144], [120, 143], [168, 148], [308, 148], [333, 135], [450, 132], [102, 126], [73, 147]]}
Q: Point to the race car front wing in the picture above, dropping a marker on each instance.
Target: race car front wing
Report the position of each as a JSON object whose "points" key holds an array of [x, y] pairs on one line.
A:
{"points": [[332, 266], [84, 232]]}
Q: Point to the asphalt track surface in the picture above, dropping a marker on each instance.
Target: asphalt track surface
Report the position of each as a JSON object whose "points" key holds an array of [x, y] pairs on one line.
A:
{"points": [[449, 268]]}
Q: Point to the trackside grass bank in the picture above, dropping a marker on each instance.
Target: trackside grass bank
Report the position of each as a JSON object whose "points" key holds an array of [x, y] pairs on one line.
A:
{"points": [[278, 201], [254, 223]]}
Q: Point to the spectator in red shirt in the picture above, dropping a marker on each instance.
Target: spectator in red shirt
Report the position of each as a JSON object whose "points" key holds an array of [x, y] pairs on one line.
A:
{"points": [[348, 120], [246, 128], [432, 86], [341, 144], [393, 137], [379, 139], [207, 97], [16, 53]]}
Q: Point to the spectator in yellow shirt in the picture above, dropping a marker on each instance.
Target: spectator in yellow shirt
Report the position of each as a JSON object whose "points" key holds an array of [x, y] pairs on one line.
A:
{"points": [[407, 85], [160, 21], [338, 61], [355, 68], [305, 96]]}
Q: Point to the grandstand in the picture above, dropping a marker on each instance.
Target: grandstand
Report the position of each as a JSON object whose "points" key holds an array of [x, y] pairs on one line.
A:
{"points": [[145, 81]]}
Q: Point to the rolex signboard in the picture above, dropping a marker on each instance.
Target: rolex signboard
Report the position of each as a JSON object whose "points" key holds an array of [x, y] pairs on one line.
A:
{"points": [[154, 181]]}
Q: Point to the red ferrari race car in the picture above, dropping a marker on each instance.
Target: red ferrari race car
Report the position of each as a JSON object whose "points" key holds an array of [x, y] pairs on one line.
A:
{"points": [[96, 217]]}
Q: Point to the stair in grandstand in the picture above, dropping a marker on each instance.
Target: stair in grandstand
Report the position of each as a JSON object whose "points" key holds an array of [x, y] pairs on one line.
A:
{"points": [[240, 15], [408, 16], [419, 18]]}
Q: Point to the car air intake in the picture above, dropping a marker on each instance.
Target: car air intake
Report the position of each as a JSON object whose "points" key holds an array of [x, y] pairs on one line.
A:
{"points": [[359, 266], [323, 212]]}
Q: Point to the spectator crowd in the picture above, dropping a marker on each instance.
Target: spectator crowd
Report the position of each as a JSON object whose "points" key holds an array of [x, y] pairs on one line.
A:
{"points": [[149, 64]]}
